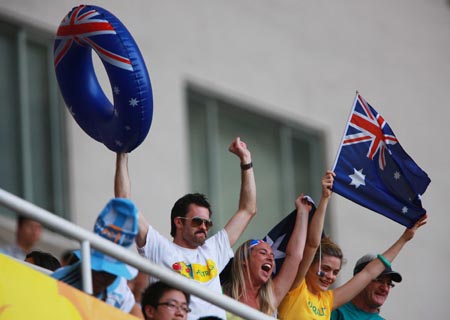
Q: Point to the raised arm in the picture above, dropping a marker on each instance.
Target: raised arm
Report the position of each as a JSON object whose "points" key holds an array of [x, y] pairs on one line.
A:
{"points": [[294, 250], [315, 228], [122, 184], [352, 287], [122, 189], [247, 198]]}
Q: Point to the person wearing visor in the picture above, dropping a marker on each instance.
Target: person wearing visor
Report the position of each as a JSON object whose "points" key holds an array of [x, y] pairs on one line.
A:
{"points": [[191, 253], [118, 223], [367, 304]]}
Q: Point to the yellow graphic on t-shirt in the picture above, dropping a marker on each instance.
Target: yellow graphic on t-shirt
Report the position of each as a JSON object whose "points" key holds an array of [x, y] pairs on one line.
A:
{"points": [[197, 271]]}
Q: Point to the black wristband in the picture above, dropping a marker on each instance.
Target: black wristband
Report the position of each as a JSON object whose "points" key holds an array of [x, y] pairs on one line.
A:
{"points": [[246, 166]]}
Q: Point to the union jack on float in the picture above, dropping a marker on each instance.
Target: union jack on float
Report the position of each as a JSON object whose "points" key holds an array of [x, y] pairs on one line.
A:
{"points": [[82, 26], [393, 184]]}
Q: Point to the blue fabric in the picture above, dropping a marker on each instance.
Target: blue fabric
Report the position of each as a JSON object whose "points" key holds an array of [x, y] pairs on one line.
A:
{"points": [[102, 262], [118, 222], [373, 170], [70, 274]]}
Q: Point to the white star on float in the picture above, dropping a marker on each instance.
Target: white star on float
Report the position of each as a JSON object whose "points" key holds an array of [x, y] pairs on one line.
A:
{"points": [[277, 254], [133, 102], [116, 90], [397, 175], [405, 210], [357, 178], [71, 111], [116, 113], [128, 128], [118, 143]]}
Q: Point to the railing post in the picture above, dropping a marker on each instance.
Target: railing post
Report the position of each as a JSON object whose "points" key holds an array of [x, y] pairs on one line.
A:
{"points": [[86, 274]]}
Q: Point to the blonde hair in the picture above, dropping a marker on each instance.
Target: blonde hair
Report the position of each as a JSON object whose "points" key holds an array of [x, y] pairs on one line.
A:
{"points": [[236, 287]]}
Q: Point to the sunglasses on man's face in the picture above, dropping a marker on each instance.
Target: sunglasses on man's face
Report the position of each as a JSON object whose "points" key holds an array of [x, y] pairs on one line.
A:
{"points": [[197, 222], [386, 282]]}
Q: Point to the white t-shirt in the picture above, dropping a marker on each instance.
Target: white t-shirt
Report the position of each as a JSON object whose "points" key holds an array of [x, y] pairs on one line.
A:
{"points": [[202, 265], [119, 295]]}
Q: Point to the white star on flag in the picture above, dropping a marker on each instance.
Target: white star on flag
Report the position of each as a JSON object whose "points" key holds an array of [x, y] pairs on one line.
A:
{"points": [[277, 254], [357, 178]]}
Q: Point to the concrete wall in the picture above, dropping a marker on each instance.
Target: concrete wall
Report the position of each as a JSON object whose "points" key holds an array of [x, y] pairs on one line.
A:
{"points": [[302, 59]]}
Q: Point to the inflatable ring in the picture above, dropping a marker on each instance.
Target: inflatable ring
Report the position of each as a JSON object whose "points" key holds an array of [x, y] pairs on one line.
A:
{"points": [[120, 127]]}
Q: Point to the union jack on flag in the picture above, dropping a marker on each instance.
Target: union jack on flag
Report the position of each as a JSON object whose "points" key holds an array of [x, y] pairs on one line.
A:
{"points": [[85, 27], [369, 126], [373, 170]]}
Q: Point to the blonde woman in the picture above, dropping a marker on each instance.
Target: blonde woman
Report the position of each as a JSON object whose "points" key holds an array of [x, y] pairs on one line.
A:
{"points": [[251, 282]]}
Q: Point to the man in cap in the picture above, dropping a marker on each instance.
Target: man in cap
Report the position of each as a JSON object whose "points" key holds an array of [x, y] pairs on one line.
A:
{"points": [[118, 223], [367, 304], [191, 253]]}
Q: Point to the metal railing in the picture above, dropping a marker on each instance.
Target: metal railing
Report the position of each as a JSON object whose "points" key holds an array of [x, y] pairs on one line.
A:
{"points": [[88, 239]]}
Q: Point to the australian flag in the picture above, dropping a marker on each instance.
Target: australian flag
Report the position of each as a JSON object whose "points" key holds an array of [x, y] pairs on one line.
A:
{"points": [[373, 170], [278, 238]]}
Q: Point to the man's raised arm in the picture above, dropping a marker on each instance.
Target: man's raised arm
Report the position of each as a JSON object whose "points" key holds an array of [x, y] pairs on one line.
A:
{"points": [[122, 189], [247, 198]]}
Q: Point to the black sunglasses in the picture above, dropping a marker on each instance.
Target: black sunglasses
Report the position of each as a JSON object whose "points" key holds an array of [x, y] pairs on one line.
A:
{"points": [[197, 222]]}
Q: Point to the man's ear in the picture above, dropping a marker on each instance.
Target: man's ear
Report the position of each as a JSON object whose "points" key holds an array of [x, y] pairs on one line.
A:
{"points": [[178, 222], [149, 312]]}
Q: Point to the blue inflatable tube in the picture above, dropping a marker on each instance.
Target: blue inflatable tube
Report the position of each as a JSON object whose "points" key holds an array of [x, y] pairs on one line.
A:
{"points": [[121, 126]]}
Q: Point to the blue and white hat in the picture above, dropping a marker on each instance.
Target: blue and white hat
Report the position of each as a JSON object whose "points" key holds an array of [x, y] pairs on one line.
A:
{"points": [[118, 222]]}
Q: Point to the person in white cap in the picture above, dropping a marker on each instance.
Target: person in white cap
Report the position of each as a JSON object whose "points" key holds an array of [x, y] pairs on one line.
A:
{"points": [[118, 223], [191, 253], [366, 305]]}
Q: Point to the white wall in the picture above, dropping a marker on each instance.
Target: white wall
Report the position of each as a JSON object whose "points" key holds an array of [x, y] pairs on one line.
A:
{"points": [[302, 59]]}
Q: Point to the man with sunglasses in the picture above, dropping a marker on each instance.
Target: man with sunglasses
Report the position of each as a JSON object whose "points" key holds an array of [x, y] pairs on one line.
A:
{"points": [[367, 304], [191, 253]]}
